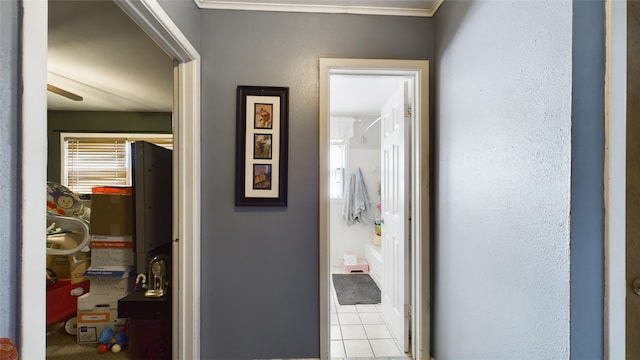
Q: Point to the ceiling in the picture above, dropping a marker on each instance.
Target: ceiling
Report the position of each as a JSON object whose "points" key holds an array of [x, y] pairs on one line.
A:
{"points": [[360, 95], [97, 52]]}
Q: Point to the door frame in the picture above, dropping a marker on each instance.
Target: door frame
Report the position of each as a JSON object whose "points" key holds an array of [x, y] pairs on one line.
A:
{"points": [[420, 193], [150, 16], [615, 179]]}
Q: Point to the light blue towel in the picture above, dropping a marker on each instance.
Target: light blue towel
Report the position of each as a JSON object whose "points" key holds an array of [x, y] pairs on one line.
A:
{"points": [[356, 200]]}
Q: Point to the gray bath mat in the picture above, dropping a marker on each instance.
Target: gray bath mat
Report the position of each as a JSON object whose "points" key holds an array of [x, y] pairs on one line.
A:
{"points": [[355, 289]]}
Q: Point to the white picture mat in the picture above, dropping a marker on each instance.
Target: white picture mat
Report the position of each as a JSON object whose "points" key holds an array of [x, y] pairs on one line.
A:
{"points": [[249, 161]]}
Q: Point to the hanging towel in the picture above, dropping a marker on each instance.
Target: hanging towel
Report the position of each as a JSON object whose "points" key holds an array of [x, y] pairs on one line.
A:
{"points": [[356, 200]]}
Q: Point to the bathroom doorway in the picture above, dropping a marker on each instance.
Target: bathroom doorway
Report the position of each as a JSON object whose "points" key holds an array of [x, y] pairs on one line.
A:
{"points": [[358, 100]]}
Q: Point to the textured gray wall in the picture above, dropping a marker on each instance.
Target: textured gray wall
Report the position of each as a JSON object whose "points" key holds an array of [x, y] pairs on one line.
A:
{"points": [[260, 281], [9, 243], [503, 157], [587, 181], [185, 14], [260, 266]]}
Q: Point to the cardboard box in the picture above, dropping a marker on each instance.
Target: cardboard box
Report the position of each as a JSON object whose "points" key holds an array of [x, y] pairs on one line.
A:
{"points": [[59, 264], [96, 313], [78, 264], [112, 250], [111, 214], [70, 266], [111, 280]]}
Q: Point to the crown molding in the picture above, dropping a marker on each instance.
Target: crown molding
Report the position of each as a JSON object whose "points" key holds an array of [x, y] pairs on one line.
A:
{"points": [[308, 7]]}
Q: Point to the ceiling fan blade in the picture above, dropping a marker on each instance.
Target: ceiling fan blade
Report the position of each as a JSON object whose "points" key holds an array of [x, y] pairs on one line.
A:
{"points": [[65, 93]]}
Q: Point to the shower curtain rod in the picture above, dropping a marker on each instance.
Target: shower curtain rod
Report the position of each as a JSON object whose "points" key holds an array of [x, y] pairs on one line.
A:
{"points": [[363, 138]]}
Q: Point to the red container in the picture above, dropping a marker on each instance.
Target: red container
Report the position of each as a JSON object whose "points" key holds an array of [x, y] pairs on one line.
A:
{"points": [[119, 190], [62, 299]]}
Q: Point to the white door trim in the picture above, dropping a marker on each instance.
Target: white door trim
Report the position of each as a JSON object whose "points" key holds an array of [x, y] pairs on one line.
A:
{"points": [[33, 177], [150, 16], [615, 179], [420, 188]]}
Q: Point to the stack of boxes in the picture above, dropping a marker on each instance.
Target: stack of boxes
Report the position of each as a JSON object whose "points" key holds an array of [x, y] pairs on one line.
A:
{"points": [[111, 273]]}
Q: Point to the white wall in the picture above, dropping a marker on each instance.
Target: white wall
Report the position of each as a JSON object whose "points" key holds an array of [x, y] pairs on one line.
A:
{"points": [[502, 168], [354, 237], [365, 156], [616, 276]]}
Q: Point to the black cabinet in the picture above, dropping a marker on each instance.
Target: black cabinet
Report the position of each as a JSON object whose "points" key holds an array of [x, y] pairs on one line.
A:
{"points": [[149, 325]]}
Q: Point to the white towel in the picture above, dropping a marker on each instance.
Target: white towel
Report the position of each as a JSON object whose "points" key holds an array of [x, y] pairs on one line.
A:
{"points": [[356, 200]]}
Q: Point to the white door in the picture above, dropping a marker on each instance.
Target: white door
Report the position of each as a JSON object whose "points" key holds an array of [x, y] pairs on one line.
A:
{"points": [[395, 211]]}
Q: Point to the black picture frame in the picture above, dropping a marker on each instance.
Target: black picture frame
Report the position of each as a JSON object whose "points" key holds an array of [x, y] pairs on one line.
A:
{"points": [[262, 114]]}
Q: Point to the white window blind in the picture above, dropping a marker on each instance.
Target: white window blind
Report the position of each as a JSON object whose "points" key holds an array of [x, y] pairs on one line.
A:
{"points": [[90, 159], [337, 164]]}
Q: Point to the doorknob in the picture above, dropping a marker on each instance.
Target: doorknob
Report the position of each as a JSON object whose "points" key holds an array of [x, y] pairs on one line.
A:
{"points": [[636, 286]]}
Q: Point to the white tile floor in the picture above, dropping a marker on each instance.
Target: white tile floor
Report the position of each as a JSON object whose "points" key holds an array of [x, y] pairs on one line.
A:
{"points": [[360, 331]]}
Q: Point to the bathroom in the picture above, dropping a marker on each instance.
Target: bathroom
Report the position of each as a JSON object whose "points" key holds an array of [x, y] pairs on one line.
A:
{"points": [[355, 106], [356, 149]]}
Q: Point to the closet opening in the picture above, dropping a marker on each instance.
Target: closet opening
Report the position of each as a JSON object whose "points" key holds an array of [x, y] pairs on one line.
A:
{"points": [[186, 204]]}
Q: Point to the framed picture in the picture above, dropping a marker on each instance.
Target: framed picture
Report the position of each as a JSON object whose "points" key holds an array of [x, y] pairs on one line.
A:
{"points": [[262, 145]]}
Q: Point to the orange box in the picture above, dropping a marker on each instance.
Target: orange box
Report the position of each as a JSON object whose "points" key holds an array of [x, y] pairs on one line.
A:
{"points": [[94, 318], [121, 190]]}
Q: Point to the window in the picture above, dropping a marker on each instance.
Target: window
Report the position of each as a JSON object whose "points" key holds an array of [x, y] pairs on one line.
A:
{"points": [[337, 163], [97, 159]]}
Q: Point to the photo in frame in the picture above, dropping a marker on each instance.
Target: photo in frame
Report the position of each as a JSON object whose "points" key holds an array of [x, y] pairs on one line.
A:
{"points": [[262, 120], [262, 146]]}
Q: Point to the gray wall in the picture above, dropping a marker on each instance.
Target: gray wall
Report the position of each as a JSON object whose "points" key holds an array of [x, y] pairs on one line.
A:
{"points": [[9, 245], [502, 164], [260, 288], [97, 122], [185, 14], [587, 181], [502, 174]]}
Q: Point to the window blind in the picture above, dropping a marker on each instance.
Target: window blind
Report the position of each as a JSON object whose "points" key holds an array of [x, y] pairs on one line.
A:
{"points": [[337, 163], [90, 160]]}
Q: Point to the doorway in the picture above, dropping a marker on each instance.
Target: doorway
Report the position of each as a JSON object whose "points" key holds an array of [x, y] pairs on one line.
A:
{"points": [[150, 16], [359, 110], [414, 298], [95, 131]]}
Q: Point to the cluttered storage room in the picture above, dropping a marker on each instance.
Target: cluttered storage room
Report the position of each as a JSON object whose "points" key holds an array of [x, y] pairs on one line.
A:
{"points": [[109, 187]]}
